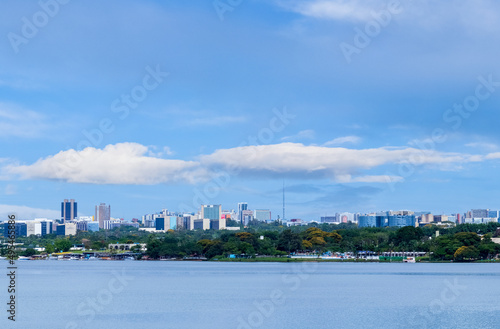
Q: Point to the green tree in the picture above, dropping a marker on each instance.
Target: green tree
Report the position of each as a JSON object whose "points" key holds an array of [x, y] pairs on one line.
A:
{"points": [[49, 248], [153, 247], [466, 253], [289, 241], [62, 245], [468, 238], [29, 252]]}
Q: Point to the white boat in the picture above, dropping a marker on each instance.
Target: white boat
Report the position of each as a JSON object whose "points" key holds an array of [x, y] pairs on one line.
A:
{"points": [[2, 258], [409, 260], [23, 258]]}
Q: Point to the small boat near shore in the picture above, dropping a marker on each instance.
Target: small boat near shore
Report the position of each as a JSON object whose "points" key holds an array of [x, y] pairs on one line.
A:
{"points": [[409, 260]]}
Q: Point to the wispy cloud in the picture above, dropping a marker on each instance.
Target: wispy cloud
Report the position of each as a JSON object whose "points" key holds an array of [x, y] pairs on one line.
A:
{"points": [[187, 117], [483, 146], [16, 121], [25, 212], [301, 135], [350, 10], [343, 140]]}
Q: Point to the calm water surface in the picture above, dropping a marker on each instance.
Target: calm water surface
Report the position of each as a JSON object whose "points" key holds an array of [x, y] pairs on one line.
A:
{"points": [[134, 294]]}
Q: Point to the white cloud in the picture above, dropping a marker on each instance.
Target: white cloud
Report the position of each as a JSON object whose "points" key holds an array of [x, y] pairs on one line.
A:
{"points": [[369, 179], [350, 10], [343, 140], [165, 151], [303, 134], [482, 145], [132, 163], [493, 156], [24, 212], [298, 159], [124, 163]]}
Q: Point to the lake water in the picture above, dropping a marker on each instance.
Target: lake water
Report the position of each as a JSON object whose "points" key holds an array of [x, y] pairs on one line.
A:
{"points": [[134, 294]]}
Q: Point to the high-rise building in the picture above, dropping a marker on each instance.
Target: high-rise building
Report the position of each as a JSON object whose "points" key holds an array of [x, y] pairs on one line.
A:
{"points": [[367, 221], [328, 219], [262, 215], [479, 213], [66, 229], [246, 217], [102, 214], [241, 207], [68, 210], [21, 229], [493, 214], [211, 211], [427, 218], [401, 220]]}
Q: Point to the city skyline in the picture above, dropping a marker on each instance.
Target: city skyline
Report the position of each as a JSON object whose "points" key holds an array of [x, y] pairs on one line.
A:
{"points": [[213, 211], [183, 105]]}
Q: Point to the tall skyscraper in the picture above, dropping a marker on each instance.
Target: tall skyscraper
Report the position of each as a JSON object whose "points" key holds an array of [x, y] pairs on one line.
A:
{"points": [[241, 206], [102, 213], [211, 212], [68, 210]]}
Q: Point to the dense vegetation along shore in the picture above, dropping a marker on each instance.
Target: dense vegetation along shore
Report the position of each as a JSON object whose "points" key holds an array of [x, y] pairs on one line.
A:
{"points": [[465, 242]]}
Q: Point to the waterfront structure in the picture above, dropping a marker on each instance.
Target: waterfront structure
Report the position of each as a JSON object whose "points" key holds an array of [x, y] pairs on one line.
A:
{"points": [[69, 210], [127, 246], [102, 214]]}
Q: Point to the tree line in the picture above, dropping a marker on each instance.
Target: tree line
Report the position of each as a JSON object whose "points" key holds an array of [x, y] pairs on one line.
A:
{"points": [[464, 242]]}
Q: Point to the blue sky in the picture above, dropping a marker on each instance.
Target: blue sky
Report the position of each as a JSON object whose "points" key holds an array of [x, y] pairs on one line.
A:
{"points": [[149, 105]]}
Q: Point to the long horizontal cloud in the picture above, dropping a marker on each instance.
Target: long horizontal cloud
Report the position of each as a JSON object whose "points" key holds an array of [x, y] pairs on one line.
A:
{"points": [[124, 163], [338, 163], [478, 15], [352, 10], [132, 163]]}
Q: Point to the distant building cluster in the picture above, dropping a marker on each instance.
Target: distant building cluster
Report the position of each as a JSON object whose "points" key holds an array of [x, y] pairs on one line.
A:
{"points": [[213, 217], [209, 217]]}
